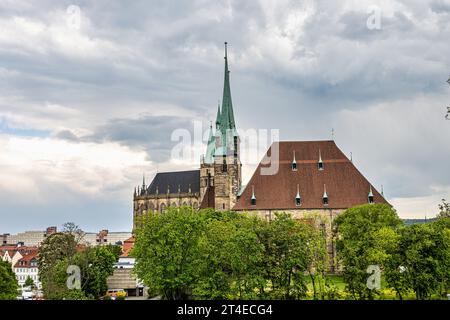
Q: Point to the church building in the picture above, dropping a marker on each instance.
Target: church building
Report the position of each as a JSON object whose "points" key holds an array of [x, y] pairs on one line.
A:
{"points": [[314, 180], [215, 185]]}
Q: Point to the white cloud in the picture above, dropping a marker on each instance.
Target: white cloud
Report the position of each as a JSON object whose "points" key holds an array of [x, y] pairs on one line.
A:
{"points": [[30, 165]]}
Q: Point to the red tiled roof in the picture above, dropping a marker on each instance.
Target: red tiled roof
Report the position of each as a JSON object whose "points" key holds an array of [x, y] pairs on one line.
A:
{"points": [[345, 185], [25, 261], [127, 246]]}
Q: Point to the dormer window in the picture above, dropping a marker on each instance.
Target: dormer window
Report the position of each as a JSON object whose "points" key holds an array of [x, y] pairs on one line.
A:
{"points": [[325, 196], [294, 163], [298, 199], [370, 195], [320, 163], [253, 198]]}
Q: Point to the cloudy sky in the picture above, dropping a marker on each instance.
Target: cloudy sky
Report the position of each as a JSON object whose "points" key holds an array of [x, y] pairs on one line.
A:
{"points": [[92, 91]]}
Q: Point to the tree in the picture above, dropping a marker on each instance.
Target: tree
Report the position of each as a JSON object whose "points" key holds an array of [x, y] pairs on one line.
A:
{"points": [[56, 248], [8, 282], [74, 230], [29, 282], [96, 265], [168, 259], [421, 260], [286, 256], [366, 236], [318, 256], [233, 256], [444, 209]]}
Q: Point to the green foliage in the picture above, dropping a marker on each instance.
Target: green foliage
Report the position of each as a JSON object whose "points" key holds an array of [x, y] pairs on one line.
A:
{"points": [[444, 209], [167, 252], [8, 282], [232, 255], [222, 255], [54, 249], [421, 262], [287, 258], [367, 234], [58, 251], [29, 282]]}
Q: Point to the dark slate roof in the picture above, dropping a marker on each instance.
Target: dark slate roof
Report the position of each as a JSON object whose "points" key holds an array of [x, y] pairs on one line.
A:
{"points": [[345, 185], [175, 179]]}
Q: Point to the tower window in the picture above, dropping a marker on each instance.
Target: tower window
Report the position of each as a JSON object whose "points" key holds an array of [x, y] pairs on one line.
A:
{"points": [[224, 166]]}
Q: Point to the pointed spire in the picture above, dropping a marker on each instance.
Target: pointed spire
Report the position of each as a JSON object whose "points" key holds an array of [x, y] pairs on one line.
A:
{"points": [[227, 115], [134, 194]]}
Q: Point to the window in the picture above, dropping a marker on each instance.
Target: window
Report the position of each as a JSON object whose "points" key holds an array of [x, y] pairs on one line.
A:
{"points": [[325, 201], [298, 201], [370, 199], [294, 166], [224, 166], [253, 201], [320, 165], [223, 206]]}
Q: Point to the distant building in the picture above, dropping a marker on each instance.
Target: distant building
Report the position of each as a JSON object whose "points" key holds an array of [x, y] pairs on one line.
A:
{"points": [[35, 238], [104, 237], [123, 277], [27, 238], [26, 267]]}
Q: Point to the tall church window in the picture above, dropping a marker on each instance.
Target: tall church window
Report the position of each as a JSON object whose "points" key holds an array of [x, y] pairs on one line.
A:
{"points": [[224, 165]]}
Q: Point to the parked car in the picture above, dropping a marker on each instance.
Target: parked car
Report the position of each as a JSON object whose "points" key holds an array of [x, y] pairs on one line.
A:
{"points": [[116, 293]]}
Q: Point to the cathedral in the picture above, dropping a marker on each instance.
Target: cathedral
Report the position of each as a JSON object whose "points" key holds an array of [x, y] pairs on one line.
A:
{"points": [[215, 185], [314, 181]]}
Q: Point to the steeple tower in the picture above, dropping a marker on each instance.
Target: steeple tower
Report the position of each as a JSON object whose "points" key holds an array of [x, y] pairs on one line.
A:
{"points": [[227, 104], [220, 169]]}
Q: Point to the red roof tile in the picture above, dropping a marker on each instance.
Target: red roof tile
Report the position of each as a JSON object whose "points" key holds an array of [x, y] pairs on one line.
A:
{"points": [[345, 185]]}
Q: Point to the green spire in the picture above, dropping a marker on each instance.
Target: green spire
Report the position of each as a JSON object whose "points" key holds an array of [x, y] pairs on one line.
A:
{"points": [[227, 115]]}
